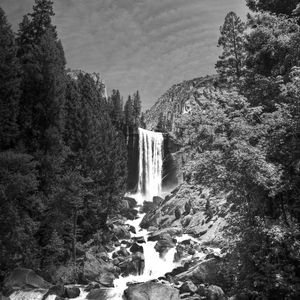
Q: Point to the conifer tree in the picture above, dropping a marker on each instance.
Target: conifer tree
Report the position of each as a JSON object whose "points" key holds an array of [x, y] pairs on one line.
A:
{"points": [[43, 83], [117, 108], [137, 107], [9, 85], [129, 112], [231, 62]]}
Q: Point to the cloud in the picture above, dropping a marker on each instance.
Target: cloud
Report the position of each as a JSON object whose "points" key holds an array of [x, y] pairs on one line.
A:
{"points": [[138, 44]]}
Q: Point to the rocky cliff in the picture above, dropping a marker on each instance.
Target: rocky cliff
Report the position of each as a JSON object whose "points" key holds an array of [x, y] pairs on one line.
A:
{"points": [[180, 99]]}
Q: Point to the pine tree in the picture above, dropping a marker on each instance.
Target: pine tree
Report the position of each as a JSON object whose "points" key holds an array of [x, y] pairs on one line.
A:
{"points": [[129, 112], [137, 107], [43, 83], [231, 62], [117, 108], [41, 19], [9, 85]]}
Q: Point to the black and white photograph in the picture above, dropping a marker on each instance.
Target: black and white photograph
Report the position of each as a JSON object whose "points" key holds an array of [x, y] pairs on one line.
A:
{"points": [[150, 149]]}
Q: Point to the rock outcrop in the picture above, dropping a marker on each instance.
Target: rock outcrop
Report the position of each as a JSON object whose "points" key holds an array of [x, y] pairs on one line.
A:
{"points": [[23, 279], [151, 291]]}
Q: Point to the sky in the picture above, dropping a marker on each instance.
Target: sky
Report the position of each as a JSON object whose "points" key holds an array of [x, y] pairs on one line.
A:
{"points": [[145, 45]]}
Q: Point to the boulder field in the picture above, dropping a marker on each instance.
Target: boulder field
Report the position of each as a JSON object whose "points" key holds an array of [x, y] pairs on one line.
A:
{"points": [[189, 218]]}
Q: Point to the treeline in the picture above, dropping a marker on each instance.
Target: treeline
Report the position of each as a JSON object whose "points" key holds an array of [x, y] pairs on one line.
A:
{"points": [[63, 158], [246, 141]]}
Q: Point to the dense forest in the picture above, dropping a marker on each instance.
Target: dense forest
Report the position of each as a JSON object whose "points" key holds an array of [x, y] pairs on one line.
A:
{"points": [[63, 147], [246, 142]]}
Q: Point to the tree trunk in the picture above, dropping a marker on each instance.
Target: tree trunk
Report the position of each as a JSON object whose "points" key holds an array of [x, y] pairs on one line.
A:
{"points": [[74, 235]]}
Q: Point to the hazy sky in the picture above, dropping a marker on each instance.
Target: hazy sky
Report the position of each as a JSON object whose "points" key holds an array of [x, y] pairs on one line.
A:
{"points": [[138, 44]]}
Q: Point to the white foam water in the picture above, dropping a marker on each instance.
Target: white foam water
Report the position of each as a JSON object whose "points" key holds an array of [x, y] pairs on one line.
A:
{"points": [[150, 163]]}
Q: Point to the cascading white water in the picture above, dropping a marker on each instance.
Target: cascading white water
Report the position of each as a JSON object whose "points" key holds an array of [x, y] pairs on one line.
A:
{"points": [[150, 163]]}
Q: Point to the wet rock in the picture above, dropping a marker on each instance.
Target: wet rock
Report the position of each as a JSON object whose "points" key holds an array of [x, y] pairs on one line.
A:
{"points": [[151, 291], [157, 200], [136, 248], [122, 231], [122, 252], [131, 202], [188, 287], [148, 206], [23, 279], [201, 290], [132, 229], [65, 274], [72, 292], [97, 294], [106, 279], [94, 267], [139, 239], [58, 290], [92, 286], [165, 243], [215, 293], [138, 261], [163, 233], [203, 271], [177, 213]]}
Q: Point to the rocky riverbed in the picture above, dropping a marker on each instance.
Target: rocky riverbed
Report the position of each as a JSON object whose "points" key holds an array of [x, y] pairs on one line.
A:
{"points": [[175, 254]]}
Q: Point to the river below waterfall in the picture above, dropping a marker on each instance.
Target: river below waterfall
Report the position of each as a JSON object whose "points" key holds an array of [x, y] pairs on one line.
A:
{"points": [[155, 267]]}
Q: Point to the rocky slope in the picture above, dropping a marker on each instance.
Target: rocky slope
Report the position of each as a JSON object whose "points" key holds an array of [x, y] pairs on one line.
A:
{"points": [[180, 99]]}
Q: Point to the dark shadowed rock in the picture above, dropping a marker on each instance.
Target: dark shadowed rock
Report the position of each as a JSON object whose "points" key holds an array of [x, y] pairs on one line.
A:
{"points": [[136, 248], [202, 272], [215, 293], [95, 268], [2, 297], [72, 292], [97, 294], [131, 202], [188, 287], [151, 291], [23, 279], [139, 239]]}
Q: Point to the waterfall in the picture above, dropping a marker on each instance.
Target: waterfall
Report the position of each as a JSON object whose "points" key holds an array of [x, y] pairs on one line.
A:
{"points": [[150, 163]]}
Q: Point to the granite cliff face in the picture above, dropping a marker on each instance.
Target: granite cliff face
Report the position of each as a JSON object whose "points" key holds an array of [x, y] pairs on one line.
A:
{"points": [[180, 99]]}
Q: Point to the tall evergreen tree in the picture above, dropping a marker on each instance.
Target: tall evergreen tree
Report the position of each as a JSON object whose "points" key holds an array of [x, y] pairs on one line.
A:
{"points": [[43, 84], [231, 62], [9, 85], [137, 107], [116, 108], [129, 112]]}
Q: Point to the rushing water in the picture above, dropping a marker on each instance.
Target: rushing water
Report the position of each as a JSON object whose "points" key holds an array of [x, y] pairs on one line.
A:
{"points": [[150, 163]]}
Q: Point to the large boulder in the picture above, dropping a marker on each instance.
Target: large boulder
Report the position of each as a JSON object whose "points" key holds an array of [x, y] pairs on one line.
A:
{"points": [[203, 272], [151, 291], [72, 292], [165, 242], [2, 297], [188, 287], [215, 293], [163, 233], [97, 294], [23, 279], [96, 269]]}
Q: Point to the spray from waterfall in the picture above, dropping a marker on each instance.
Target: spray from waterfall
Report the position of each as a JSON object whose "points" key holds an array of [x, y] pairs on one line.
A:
{"points": [[150, 163]]}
